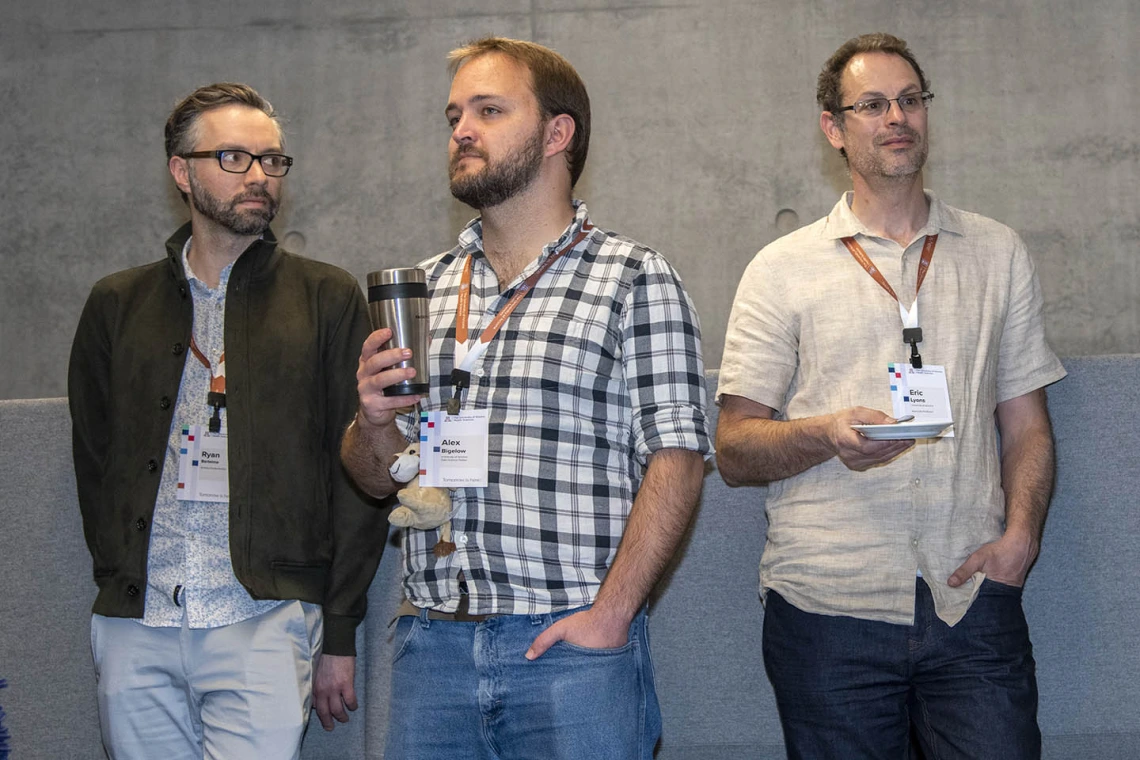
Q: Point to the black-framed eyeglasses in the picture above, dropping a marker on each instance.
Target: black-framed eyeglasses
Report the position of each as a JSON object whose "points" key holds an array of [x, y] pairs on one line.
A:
{"points": [[239, 161], [912, 102]]}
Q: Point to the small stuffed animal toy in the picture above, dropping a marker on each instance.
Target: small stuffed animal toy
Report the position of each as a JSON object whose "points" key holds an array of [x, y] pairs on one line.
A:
{"points": [[423, 508]]}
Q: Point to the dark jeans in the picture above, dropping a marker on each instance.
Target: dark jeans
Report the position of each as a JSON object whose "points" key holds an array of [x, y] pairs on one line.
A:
{"points": [[849, 688]]}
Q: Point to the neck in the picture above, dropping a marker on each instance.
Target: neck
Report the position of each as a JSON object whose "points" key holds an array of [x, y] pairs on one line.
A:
{"points": [[214, 248], [515, 232], [891, 207]]}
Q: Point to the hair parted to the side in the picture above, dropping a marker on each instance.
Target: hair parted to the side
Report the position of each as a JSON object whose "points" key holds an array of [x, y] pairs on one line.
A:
{"points": [[555, 83], [827, 92], [181, 126]]}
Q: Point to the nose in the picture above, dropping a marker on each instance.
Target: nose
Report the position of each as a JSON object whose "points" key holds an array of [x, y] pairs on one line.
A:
{"points": [[895, 114], [463, 131], [256, 175]]}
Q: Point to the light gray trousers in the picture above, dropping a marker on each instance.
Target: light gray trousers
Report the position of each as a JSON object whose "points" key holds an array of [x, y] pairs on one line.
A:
{"points": [[238, 691]]}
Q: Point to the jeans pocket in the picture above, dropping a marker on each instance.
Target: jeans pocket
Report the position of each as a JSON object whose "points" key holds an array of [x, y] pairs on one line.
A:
{"points": [[990, 586], [595, 652], [405, 632]]}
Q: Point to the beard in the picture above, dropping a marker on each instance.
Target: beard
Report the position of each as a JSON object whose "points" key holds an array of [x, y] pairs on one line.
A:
{"points": [[500, 181], [873, 163], [252, 221]]}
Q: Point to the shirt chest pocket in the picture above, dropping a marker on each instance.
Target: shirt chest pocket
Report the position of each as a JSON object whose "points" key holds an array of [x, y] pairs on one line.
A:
{"points": [[557, 349]]}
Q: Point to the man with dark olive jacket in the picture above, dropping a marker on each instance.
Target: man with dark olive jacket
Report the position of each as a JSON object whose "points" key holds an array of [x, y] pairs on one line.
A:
{"points": [[209, 392]]}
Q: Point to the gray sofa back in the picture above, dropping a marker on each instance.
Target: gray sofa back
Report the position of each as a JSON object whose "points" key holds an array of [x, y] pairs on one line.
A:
{"points": [[1082, 599]]}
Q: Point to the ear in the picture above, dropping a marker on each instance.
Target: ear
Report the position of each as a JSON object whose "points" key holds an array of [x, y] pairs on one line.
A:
{"points": [[830, 125], [180, 170], [559, 134]]}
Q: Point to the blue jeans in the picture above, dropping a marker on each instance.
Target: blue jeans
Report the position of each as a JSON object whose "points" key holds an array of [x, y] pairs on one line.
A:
{"points": [[850, 688], [465, 690]]}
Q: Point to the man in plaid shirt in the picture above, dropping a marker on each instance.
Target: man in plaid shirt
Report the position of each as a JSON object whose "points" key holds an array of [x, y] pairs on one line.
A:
{"points": [[529, 640]]}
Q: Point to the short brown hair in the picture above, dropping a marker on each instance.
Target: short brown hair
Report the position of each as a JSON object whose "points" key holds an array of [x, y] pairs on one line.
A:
{"points": [[182, 124], [827, 92], [554, 81]]}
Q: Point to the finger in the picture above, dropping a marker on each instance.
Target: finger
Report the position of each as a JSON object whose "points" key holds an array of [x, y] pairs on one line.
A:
{"points": [[385, 360], [323, 714], [863, 416], [349, 696], [374, 342], [338, 709], [972, 564], [544, 641]]}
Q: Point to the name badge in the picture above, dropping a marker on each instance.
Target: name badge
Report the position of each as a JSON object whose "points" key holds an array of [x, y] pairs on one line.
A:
{"points": [[203, 465], [453, 449], [922, 393]]}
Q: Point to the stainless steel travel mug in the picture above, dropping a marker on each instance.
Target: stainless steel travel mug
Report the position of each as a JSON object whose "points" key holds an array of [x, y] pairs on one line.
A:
{"points": [[398, 300]]}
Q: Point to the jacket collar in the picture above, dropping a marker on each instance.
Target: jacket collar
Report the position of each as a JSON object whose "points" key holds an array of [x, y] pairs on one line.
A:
{"points": [[261, 256]]}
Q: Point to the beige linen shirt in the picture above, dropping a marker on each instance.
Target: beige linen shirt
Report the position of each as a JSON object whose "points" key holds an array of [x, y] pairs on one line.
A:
{"points": [[812, 333]]}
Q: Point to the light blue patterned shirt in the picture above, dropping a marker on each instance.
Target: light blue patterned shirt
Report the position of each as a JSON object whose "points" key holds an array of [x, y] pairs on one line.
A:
{"points": [[190, 540]]}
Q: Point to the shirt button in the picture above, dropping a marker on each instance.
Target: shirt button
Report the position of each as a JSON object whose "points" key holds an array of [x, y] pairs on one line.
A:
{"points": [[176, 349], [152, 465], [480, 372], [164, 402], [917, 482], [914, 543], [132, 590], [140, 524], [463, 540]]}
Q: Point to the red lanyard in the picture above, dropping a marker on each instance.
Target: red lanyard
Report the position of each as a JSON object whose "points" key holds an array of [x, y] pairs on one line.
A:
{"points": [[865, 261]]}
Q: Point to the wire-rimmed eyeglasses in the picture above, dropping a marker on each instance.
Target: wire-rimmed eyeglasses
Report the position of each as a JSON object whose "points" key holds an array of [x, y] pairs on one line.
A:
{"points": [[911, 102]]}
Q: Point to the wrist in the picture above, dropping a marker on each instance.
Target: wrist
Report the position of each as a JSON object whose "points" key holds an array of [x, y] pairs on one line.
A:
{"points": [[612, 617]]}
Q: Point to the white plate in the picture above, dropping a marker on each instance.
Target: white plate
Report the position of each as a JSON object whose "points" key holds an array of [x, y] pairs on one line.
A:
{"points": [[902, 430]]}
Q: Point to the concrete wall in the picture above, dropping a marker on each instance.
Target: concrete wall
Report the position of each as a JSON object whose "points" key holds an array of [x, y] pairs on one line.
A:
{"points": [[705, 128]]}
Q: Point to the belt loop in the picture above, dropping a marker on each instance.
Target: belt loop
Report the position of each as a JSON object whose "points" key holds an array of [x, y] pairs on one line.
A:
{"points": [[425, 619]]}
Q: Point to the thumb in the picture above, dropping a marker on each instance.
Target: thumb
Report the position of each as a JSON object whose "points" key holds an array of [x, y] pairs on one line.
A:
{"points": [[349, 697], [972, 565], [544, 641]]}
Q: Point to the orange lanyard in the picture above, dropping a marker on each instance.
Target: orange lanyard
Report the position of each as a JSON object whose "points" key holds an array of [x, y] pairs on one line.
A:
{"points": [[865, 261], [218, 377], [216, 397], [461, 373], [463, 310], [912, 333]]}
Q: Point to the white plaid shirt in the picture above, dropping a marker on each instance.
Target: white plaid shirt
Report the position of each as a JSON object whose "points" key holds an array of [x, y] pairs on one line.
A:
{"points": [[598, 367]]}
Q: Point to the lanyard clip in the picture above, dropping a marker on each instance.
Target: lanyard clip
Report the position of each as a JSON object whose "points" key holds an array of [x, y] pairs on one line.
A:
{"points": [[217, 401], [913, 336], [460, 379]]}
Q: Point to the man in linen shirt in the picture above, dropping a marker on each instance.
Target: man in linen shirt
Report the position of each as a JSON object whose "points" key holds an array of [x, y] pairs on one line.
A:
{"points": [[529, 640], [893, 569]]}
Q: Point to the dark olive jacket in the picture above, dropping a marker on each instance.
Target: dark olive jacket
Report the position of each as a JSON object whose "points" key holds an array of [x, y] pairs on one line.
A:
{"points": [[294, 328]]}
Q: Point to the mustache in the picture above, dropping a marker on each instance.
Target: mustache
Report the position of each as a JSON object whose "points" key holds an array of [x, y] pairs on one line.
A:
{"points": [[255, 194], [467, 150], [901, 131]]}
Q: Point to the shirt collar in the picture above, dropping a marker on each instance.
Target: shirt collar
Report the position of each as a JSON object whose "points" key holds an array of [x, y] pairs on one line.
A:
{"points": [[471, 238], [223, 276], [842, 222]]}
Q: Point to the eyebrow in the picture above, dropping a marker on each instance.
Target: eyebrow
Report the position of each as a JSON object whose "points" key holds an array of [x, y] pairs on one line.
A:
{"points": [[871, 95], [235, 146], [453, 106]]}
